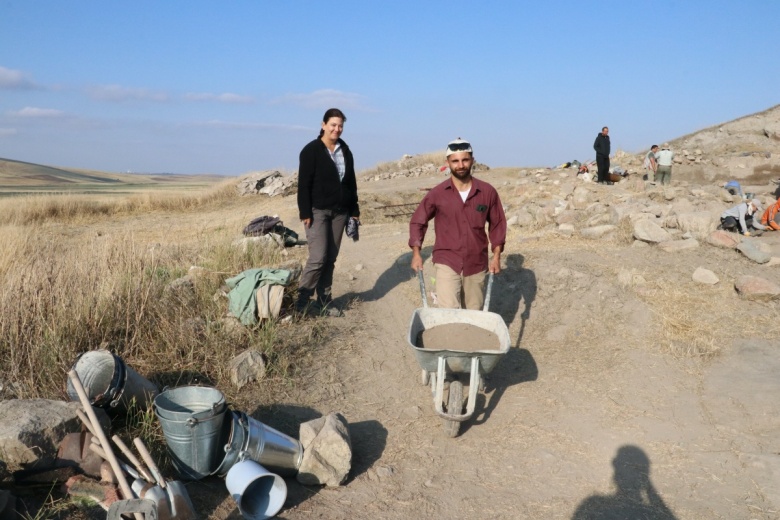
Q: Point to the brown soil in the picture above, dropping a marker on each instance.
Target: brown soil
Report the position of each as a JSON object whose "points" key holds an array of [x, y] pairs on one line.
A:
{"points": [[457, 336]]}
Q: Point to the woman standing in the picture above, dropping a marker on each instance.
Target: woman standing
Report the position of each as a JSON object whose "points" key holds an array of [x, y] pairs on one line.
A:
{"points": [[327, 198]]}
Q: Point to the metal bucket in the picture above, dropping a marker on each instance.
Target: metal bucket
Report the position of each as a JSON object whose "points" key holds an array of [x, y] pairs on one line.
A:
{"points": [[191, 418], [276, 451], [233, 438], [110, 383]]}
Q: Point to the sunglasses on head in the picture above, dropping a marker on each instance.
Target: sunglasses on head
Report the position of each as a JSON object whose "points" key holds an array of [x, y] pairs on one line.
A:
{"points": [[459, 147]]}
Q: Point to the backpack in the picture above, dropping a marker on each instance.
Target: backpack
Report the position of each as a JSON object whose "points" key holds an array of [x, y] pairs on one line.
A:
{"points": [[265, 225], [261, 226]]}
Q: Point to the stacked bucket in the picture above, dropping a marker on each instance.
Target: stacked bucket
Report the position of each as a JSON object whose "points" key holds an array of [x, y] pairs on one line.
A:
{"points": [[206, 438]]}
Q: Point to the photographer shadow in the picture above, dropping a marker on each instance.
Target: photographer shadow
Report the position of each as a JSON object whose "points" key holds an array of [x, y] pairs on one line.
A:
{"points": [[635, 497]]}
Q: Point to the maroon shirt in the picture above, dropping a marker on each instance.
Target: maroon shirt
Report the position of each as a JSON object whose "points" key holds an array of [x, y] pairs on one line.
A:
{"points": [[461, 241]]}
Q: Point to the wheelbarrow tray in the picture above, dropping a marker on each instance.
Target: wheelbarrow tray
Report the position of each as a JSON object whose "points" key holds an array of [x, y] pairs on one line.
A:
{"points": [[458, 361]]}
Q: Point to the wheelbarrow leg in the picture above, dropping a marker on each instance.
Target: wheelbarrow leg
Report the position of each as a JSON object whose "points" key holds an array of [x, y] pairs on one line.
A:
{"points": [[453, 416]]}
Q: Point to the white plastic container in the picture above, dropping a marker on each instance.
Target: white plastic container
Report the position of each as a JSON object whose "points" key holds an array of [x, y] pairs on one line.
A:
{"points": [[258, 493]]}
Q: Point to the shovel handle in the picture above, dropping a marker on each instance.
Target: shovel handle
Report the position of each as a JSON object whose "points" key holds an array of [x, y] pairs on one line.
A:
{"points": [[141, 447], [120, 476], [85, 420], [132, 458]]}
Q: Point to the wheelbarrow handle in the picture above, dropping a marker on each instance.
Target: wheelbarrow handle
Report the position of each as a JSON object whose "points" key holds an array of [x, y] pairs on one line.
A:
{"points": [[488, 290], [421, 279]]}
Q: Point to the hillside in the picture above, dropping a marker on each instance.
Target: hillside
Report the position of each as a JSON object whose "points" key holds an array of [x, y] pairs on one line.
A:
{"points": [[746, 149], [17, 177]]}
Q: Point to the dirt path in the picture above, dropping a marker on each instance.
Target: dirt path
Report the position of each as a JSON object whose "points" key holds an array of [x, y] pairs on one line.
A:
{"points": [[584, 405]]}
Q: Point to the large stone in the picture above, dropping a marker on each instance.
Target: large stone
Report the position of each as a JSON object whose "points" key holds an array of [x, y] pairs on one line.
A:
{"points": [[723, 239], [751, 249], [674, 246], [699, 223], [597, 231], [648, 231], [757, 288], [327, 451], [581, 198], [247, 367], [181, 291], [31, 431], [705, 276]]}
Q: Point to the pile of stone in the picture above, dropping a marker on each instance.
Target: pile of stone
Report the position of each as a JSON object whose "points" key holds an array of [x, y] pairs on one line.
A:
{"points": [[269, 182], [672, 218]]}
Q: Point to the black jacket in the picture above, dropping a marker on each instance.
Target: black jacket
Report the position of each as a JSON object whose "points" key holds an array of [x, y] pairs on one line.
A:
{"points": [[318, 181], [601, 145]]}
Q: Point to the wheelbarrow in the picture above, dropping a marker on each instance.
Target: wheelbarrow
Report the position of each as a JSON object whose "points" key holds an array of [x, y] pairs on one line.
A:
{"points": [[440, 366]]}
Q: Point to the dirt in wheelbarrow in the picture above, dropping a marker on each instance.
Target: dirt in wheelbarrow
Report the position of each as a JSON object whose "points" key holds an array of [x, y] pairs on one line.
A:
{"points": [[457, 336], [628, 391]]}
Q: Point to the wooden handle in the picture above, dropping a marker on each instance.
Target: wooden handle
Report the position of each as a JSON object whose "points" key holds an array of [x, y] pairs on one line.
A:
{"points": [[149, 461], [120, 476], [87, 423], [132, 458]]}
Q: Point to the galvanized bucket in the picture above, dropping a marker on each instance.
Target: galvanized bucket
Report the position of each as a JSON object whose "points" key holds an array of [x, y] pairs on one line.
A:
{"points": [[233, 438], [191, 418], [110, 383], [276, 451]]}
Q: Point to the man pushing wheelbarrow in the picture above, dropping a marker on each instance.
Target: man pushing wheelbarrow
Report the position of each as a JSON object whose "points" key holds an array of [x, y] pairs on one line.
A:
{"points": [[460, 207]]}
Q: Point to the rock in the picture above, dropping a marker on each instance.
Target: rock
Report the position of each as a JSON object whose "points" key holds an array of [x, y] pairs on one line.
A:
{"points": [[674, 246], [181, 291], [775, 260], [512, 221], [31, 430], [724, 239], [699, 223], [268, 240], [580, 199], [648, 231], [247, 367], [751, 250], [566, 229], [327, 451], [756, 288], [597, 231], [705, 276], [269, 182], [669, 194]]}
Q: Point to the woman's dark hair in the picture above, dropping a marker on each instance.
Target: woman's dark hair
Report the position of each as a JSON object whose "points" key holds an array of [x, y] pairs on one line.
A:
{"points": [[332, 112]]}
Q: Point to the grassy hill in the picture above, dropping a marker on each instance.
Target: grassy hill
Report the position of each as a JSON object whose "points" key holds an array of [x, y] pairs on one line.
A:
{"points": [[19, 177]]}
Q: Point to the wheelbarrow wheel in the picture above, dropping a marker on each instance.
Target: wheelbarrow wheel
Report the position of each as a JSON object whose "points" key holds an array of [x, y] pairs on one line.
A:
{"points": [[454, 406]]}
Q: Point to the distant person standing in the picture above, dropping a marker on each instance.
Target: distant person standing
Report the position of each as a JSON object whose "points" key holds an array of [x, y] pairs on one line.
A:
{"points": [[664, 159], [601, 145], [650, 163], [461, 206], [327, 198]]}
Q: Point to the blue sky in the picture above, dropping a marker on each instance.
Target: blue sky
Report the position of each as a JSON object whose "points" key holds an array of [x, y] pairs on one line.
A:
{"points": [[230, 87]]}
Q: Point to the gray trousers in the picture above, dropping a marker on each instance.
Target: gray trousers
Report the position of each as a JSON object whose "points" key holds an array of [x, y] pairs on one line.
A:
{"points": [[324, 238]]}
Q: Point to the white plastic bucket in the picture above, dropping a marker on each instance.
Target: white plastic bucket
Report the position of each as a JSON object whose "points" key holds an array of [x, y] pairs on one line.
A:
{"points": [[258, 493]]}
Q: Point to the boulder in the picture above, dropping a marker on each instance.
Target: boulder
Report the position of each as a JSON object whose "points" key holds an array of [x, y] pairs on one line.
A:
{"points": [[756, 288], [247, 367], [648, 231], [31, 430], [751, 249], [327, 451], [269, 182], [597, 231], [699, 223], [181, 291], [724, 239]]}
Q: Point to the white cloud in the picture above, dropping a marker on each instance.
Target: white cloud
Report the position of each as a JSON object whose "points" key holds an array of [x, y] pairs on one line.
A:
{"points": [[15, 79], [118, 93], [5, 132], [35, 112], [324, 99], [226, 97]]}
